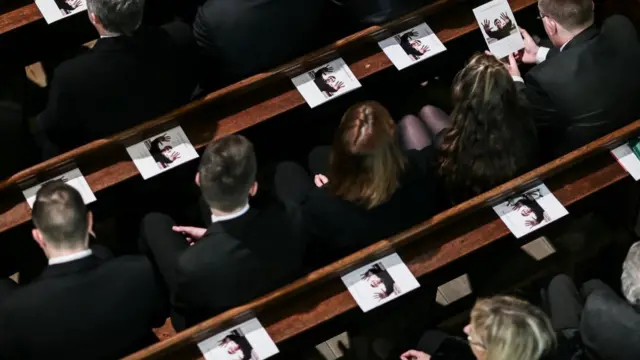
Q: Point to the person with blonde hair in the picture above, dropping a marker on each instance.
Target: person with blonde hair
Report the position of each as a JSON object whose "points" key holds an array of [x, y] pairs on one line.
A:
{"points": [[501, 328], [366, 186]]}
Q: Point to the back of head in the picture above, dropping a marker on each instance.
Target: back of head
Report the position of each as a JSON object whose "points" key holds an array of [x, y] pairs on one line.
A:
{"points": [[572, 15], [631, 275], [512, 329], [490, 137], [61, 216], [366, 160], [118, 16], [227, 172]]}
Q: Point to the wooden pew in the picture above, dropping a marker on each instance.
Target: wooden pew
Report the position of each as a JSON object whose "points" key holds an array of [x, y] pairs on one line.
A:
{"points": [[249, 102], [320, 296]]}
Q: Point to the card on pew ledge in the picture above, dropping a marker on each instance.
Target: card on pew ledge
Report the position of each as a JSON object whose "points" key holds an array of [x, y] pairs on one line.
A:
{"points": [[54, 10], [73, 178], [499, 28], [628, 156], [162, 152], [412, 46], [248, 340], [380, 282], [530, 210], [326, 82]]}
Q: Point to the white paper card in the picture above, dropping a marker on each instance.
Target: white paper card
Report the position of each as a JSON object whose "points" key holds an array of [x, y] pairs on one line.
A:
{"points": [[54, 10], [73, 178], [380, 282], [412, 46], [629, 159], [162, 152], [530, 210], [326, 82], [248, 340], [499, 28]]}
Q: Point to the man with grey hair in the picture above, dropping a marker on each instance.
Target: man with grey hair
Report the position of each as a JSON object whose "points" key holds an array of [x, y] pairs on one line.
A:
{"points": [[132, 74], [85, 305], [608, 325], [580, 89]]}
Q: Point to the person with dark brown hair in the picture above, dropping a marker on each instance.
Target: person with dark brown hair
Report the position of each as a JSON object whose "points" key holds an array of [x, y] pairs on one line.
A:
{"points": [[366, 187], [489, 138]]}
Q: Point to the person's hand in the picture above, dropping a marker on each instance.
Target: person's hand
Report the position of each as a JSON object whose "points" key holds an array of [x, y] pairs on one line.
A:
{"points": [[425, 49], [380, 295], [191, 233], [486, 25], [505, 17], [531, 223], [163, 137], [174, 156], [74, 3], [530, 48], [412, 33], [415, 355], [512, 66], [339, 85], [320, 180]]}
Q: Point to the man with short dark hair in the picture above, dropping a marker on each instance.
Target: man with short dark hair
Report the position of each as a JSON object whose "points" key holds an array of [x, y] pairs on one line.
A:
{"points": [[130, 76], [585, 86], [82, 306], [244, 253]]}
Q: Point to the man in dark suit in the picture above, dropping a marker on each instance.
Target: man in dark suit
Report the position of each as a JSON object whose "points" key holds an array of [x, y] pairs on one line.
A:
{"points": [[83, 306], [608, 325], [245, 37], [131, 75], [244, 253], [584, 87]]}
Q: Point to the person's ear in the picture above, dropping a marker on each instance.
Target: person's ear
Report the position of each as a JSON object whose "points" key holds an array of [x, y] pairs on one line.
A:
{"points": [[90, 223], [550, 26], [197, 180], [254, 189], [39, 238]]}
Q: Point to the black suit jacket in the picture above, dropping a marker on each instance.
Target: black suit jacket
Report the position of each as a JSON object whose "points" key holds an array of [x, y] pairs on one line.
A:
{"points": [[238, 260], [610, 326], [244, 37], [588, 89], [121, 82], [84, 309], [337, 227]]}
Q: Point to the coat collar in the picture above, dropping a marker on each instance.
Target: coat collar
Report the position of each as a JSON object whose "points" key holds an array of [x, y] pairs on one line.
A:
{"points": [[583, 37], [71, 267], [235, 223]]}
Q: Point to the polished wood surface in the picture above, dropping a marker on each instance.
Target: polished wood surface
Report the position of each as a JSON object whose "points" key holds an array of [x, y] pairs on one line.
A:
{"points": [[105, 162], [450, 235]]}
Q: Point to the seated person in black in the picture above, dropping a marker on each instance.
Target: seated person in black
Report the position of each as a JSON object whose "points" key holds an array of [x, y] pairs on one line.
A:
{"points": [[489, 138], [245, 37], [244, 253], [367, 187], [84, 305], [608, 324], [501, 328], [130, 76]]}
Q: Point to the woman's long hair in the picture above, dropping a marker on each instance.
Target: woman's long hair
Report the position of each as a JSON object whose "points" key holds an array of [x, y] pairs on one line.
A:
{"points": [[366, 160], [490, 139], [512, 329]]}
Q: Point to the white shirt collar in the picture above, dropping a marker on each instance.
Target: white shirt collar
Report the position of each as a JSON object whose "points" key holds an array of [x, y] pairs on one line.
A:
{"points": [[565, 44], [215, 219], [71, 257], [109, 36]]}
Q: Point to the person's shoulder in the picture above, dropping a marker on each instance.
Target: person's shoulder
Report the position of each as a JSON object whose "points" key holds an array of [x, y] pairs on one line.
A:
{"points": [[75, 69], [135, 267], [619, 25]]}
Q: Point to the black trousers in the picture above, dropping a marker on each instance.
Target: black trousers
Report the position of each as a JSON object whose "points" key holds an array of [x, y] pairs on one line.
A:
{"points": [[565, 302]]}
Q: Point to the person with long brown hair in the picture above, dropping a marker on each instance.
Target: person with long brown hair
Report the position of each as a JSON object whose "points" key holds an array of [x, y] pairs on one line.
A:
{"points": [[489, 138], [366, 186]]}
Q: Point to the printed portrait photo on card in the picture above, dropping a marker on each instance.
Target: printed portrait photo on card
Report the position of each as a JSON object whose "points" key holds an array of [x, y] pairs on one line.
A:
{"points": [[380, 282], [73, 178], [530, 210], [628, 156], [54, 10], [326, 82], [248, 341], [499, 28], [162, 152], [412, 46]]}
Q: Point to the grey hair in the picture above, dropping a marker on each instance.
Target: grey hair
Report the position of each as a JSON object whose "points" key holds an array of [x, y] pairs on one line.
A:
{"points": [[631, 275], [118, 16]]}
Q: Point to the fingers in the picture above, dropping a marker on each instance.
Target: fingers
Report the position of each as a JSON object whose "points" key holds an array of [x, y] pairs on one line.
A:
{"points": [[512, 61], [410, 355], [320, 180], [525, 34]]}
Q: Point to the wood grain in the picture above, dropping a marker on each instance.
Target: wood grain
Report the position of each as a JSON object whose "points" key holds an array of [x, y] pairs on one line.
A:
{"points": [[19, 17], [200, 118]]}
